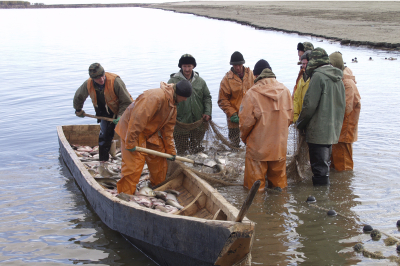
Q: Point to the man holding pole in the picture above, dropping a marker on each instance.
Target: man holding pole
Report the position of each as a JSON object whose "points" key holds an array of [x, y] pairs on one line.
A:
{"points": [[149, 123], [110, 98]]}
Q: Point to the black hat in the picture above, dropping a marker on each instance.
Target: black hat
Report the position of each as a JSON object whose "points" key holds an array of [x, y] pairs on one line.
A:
{"points": [[237, 59], [184, 88], [187, 59], [300, 47], [260, 66]]}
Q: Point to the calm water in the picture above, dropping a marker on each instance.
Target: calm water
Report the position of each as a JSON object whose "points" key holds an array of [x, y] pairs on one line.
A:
{"points": [[45, 55]]}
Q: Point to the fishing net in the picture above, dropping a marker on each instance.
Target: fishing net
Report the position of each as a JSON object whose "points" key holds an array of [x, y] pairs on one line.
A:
{"points": [[204, 141]]}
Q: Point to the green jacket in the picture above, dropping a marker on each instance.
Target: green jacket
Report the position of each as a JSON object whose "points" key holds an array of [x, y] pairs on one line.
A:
{"points": [[197, 104], [323, 106]]}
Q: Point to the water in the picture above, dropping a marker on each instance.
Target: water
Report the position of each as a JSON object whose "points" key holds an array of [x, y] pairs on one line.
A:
{"points": [[45, 55]]}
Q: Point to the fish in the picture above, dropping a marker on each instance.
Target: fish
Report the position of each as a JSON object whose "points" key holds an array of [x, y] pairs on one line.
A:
{"points": [[146, 191], [123, 196], [174, 204], [171, 197], [177, 193], [113, 148], [142, 200], [161, 194], [171, 209], [85, 149]]}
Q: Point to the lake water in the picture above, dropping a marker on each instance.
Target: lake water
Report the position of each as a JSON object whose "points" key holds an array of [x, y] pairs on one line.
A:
{"points": [[45, 55]]}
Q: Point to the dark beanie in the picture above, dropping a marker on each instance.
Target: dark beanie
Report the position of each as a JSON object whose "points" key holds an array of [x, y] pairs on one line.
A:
{"points": [[96, 70], [300, 47], [184, 88], [260, 66], [237, 59], [187, 59]]}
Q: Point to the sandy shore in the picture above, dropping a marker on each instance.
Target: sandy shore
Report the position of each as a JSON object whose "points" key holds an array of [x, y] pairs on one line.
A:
{"points": [[375, 24]]}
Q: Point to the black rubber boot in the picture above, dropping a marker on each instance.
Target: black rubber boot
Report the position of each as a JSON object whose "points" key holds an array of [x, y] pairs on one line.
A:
{"points": [[320, 181]]}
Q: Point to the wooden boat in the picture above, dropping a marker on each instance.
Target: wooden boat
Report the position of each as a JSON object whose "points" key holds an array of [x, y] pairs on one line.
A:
{"points": [[203, 233]]}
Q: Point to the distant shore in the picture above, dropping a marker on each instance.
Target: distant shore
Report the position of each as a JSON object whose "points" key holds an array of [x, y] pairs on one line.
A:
{"points": [[373, 24], [356, 23]]}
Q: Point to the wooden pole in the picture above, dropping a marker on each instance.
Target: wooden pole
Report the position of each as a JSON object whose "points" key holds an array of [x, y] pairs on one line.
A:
{"points": [[248, 201], [99, 117], [166, 155]]}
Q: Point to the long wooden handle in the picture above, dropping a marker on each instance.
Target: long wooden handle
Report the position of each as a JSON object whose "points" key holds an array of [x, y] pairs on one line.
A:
{"points": [[99, 117], [161, 154], [248, 201]]}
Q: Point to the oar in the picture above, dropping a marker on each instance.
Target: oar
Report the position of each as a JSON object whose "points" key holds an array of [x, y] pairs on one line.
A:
{"points": [[166, 155], [248, 201], [99, 117]]}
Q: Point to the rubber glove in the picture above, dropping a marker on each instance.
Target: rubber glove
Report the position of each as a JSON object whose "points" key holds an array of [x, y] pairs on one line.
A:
{"points": [[115, 121], [172, 158], [80, 113], [235, 118], [132, 150]]}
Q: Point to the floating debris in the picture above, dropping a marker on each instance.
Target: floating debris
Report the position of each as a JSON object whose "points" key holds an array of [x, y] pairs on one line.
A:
{"points": [[390, 241], [311, 199], [331, 213]]}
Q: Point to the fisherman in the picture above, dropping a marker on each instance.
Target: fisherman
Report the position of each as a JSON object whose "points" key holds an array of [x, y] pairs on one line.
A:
{"points": [[301, 49], [197, 107], [342, 152], [302, 87], [264, 117], [110, 98], [149, 123], [233, 87], [322, 113]]}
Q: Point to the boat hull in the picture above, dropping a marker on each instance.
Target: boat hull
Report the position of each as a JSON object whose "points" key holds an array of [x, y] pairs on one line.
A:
{"points": [[168, 239]]}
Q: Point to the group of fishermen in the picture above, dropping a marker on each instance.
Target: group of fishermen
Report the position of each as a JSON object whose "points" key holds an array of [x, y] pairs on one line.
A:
{"points": [[325, 105]]}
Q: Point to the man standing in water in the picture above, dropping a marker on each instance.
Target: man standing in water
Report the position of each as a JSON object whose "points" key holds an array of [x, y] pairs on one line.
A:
{"points": [[233, 87], [342, 152], [264, 119], [149, 123], [301, 49], [197, 106], [322, 113], [302, 87], [110, 98]]}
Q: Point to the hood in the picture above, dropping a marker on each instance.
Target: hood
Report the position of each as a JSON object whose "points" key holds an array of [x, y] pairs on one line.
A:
{"points": [[266, 73], [180, 76], [169, 90], [269, 87], [348, 74], [335, 74]]}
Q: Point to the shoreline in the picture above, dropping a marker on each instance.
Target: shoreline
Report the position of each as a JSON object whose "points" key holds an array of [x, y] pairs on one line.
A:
{"points": [[370, 24]]}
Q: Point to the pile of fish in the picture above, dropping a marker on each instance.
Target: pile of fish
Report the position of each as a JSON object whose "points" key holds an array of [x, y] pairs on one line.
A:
{"points": [[164, 201]]}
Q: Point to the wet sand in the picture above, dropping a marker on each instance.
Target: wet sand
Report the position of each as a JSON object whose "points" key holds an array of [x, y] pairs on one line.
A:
{"points": [[375, 24]]}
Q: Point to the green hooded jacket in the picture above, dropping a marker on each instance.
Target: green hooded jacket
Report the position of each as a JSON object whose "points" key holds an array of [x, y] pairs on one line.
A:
{"points": [[323, 106], [197, 104]]}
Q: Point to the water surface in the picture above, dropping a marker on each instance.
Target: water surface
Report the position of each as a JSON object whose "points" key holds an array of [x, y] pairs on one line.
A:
{"points": [[45, 55]]}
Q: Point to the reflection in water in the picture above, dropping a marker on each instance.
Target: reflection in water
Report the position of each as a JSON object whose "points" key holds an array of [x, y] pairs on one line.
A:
{"points": [[115, 250]]}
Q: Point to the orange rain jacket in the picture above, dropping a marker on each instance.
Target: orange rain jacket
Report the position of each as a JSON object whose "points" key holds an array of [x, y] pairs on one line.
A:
{"points": [[349, 131], [153, 111], [231, 92], [265, 115]]}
